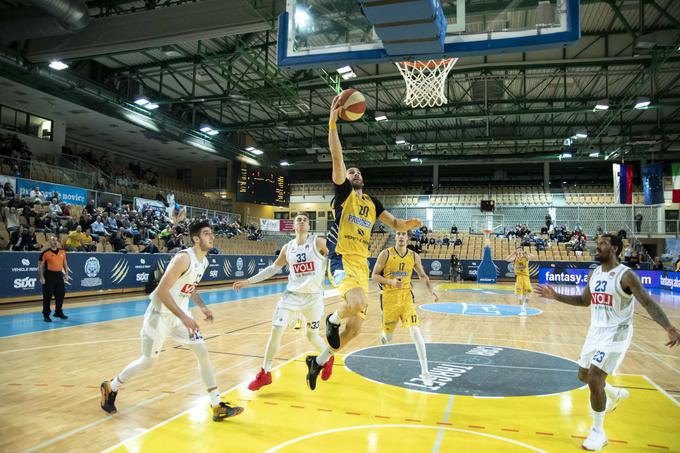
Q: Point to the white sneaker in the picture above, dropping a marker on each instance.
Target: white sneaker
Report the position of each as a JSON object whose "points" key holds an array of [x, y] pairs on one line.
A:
{"points": [[612, 403], [595, 441], [427, 379], [523, 311], [383, 339]]}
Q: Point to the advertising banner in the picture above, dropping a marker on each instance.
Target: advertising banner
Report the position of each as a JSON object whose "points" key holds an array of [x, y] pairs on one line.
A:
{"points": [[67, 194]]}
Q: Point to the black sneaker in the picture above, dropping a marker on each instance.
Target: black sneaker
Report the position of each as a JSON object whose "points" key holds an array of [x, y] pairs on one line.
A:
{"points": [[108, 401], [313, 371], [47, 319], [224, 411], [60, 315], [332, 333]]}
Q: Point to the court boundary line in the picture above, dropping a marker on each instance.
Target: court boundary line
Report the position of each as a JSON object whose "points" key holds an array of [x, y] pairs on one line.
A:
{"points": [[399, 426], [176, 416], [658, 387]]}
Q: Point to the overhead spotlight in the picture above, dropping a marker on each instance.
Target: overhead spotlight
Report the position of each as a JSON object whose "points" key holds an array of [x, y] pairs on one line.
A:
{"points": [[642, 103], [250, 148], [400, 140], [601, 105], [204, 128], [594, 154], [58, 65], [256, 151], [151, 106], [581, 134], [284, 163], [346, 72], [141, 101], [212, 132], [565, 156], [380, 116]]}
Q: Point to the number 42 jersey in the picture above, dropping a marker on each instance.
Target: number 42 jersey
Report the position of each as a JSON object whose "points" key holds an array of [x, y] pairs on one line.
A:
{"points": [[307, 267]]}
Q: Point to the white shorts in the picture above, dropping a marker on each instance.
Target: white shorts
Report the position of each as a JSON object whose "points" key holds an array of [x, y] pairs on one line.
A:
{"points": [[605, 347], [293, 306], [158, 325]]}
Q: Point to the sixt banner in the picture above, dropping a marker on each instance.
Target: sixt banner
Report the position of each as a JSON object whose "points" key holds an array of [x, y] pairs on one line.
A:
{"points": [[67, 194], [115, 271]]}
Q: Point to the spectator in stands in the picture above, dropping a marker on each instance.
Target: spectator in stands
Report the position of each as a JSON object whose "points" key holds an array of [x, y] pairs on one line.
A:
{"points": [[111, 224], [458, 242], [418, 248], [17, 238], [638, 222], [381, 229], [454, 271], [65, 210], [454, 229], [658, 264], [36, 195], [118, 242], [622, 233], [627, 253], [423, 229], [31, 240], [9, 192], [40, 222], [548, 221], [11, 215], [431, 242], [90, 208], [77, 241], [634, 260], [598, 232], [98, 228], [54, 207], [446, 241]]}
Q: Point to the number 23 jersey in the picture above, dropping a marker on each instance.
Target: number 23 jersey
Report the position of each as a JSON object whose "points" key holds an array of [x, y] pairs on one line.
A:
{"points": [[610, 306]]}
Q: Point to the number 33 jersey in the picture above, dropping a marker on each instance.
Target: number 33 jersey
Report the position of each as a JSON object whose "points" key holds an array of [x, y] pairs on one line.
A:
{"points": [[609, 304], [307, 267]]}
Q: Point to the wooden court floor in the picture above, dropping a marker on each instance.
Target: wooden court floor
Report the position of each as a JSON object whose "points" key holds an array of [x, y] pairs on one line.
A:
{"points": [[49, 397]]}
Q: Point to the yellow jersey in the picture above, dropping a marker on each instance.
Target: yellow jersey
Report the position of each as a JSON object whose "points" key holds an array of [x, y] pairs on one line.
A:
{"points": [[399, 267], [521, 267], [354, 219]]}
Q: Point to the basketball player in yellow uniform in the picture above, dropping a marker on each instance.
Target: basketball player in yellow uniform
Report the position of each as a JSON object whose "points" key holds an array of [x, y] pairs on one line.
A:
{"points": [[522, 283], [348, 239], [393, 271]]}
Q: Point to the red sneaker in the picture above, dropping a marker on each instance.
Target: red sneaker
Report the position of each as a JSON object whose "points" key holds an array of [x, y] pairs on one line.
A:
{"points": [[327, 369], [261, 379]]}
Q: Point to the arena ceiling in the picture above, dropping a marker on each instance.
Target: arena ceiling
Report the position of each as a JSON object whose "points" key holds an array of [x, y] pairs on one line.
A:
{"points": [[214, 62]]}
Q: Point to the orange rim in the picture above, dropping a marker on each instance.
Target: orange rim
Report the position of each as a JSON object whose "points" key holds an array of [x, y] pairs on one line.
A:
{"points": [[431, 64]]}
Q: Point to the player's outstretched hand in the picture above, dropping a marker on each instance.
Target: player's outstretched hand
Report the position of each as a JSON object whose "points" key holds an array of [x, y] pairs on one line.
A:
{"points": [[673, 336], [240, 284], [208, 314], [413, 223], [546, 292], [335, 110]]}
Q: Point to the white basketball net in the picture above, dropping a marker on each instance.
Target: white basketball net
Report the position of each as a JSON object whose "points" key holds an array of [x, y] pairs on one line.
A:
{"points": [[425, 81]]}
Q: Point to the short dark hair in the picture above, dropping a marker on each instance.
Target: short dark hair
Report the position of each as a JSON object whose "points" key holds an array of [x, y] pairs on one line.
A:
{"points": [[196, 227], [615, 241], [302, 213]]}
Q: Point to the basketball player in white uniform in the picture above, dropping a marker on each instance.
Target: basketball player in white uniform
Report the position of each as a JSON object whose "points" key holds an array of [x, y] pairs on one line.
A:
{"points": [[611, 293], [168, 314], [306, 259]]}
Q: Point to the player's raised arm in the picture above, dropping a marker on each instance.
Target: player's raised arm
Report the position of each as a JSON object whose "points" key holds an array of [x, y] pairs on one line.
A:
{"points": [[511, 257], [265, 273], [377, 271], [582, 300], [399, 224], [631, 282], [423, 276], [339, 170], [321, 246]]}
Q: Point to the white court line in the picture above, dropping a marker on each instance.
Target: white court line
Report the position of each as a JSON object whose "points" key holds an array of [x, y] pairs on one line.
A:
{"points": [[174, 417], [75, 431], [400, 426], [653, 355], [440, 434], [677, 403]]}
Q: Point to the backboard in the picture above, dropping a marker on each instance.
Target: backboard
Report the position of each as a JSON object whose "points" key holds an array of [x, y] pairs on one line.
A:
{"points": [[318, 33]]}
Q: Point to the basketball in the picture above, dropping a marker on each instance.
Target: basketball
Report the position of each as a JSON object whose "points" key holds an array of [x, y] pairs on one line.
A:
{"points": [[353, 105]]}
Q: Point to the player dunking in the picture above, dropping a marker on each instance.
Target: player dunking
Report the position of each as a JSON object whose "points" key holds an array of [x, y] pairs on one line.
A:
{"points": [[522, 282], [306, 258], [611, 293], [393, 271], [169, 314], [348, 239]]}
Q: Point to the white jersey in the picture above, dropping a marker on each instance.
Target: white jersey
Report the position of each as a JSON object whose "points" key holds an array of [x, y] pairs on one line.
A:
{"points": [[185, 285], [307, 267], [610, 306]]}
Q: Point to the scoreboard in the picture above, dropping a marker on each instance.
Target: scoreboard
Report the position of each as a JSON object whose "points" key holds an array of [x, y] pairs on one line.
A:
{"points": [[262, 187]]}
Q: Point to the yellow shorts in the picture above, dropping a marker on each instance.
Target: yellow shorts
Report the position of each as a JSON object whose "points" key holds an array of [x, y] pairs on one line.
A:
{"points": [[398, 306], [347, 272], [522, 285]]}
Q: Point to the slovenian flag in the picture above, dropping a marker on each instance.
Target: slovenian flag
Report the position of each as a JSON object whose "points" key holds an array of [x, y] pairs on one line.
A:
{"points": [[676, 183], [623, 183]]}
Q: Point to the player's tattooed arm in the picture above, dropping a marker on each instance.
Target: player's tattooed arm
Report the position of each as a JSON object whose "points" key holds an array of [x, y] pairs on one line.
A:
{"points": [[631, 283]]}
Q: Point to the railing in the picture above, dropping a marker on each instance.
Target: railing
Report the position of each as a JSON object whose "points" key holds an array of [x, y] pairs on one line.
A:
{"points": [[194, 212], [40, 171]]}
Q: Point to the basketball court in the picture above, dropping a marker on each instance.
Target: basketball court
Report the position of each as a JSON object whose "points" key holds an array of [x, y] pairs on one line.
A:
{"points": [[502, 383]]}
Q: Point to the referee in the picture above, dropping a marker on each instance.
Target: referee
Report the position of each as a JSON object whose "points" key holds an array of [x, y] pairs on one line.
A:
{"points": [[52, 278]]}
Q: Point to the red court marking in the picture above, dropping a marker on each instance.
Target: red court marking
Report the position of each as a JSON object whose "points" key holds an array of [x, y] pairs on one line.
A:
{"points": [[297, 407], [444, 423], [511, 430], [545, 434], [271, 403], [167, 391], [352, 413], [67, 385], [324, 410], [658, 446], [578, 437], [411, 420], [41, 385], [383, 416], [15, 384], [476, 426], [618, 441]]}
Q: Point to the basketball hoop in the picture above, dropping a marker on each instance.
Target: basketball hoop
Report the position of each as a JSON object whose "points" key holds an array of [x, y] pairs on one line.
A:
{"points": [[425, 81], [487, 233]]}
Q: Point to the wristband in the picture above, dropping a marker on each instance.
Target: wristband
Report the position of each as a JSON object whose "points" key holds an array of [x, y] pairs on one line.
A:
{"points": [[332, 126]]}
